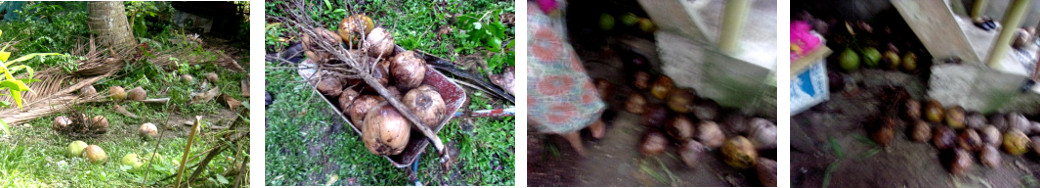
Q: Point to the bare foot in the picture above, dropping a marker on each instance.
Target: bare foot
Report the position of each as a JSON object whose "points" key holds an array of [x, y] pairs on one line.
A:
{"points": [[575, 139], [598, 129]]}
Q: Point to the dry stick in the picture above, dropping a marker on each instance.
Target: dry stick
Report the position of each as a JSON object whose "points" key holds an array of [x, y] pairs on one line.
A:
{"points": [[303, 22], [187, 148]]}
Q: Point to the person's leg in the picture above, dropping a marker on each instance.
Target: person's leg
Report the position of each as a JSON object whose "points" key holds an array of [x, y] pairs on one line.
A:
{"points": [[575, 139], [598, 129]]}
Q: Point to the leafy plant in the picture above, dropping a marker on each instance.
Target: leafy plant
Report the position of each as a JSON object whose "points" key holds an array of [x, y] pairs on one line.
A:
{"points": [[488, 32], [15, 86]]}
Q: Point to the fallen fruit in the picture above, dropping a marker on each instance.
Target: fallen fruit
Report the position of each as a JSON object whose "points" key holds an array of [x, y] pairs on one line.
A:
{"points": [[944, 137], [131, 160], [653, 143], [849, 60], [871, 57], [385, 132], [970, 140], [137, 94], [738, 152], [95, 154], [766, 170], [76, 148], [679, 128], [691, 152], [991, 136], [117, 93], [921, 131], [990, 156], [661, 87], [211, 77], [1016, 142], [955, 117], [407, 70], [709, 133], [380, 43], [681, 100], [426, 104], [636, 104], [148, 130], [933, 111]]}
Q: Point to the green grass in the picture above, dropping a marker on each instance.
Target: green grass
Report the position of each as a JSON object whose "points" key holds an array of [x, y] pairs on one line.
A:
{"points": [[301, 150], [34, 154]]}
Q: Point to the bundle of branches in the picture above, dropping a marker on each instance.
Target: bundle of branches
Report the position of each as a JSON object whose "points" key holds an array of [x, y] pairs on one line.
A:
{"points": [[54, 90], [79, 125], [338, 62]]}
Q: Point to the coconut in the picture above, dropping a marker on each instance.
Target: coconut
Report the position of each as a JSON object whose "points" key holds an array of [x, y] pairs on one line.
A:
{"points": [[148, 130], [187, 78], [1019, 122], [330, 86], [955, 117], [990, 156], [1015, 142], [661, 87], [766, 170], [710, 135], [999, 120], [933, 111], [99, 124], [961, 162], [944, 137], [346, 97], [921, 131], [380, 43], [360, 107], [975, 120], [883, 132], [991, 136], [655, 116], [912, 109], [137, 94], [653, 143], [352, 28], [641, 80], [385, 132], [636, 104], [212, 77], [62, 123], [1035, 144], [738, 152], [763, 135], [131, 160], [117, 93], [691, 152], [738, 124], [426, 104], [407, 70], [970, 140], [151, 157], [679, 128], [87, 91], [95, 154], [681, 100], [76, 148]]}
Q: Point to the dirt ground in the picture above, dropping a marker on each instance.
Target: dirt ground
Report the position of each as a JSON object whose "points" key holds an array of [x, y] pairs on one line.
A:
{"points": [[838, 123], [615, 160]]}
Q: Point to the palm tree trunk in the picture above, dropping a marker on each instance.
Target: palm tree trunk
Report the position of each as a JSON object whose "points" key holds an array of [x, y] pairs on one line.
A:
{"points": [[108, 20]]}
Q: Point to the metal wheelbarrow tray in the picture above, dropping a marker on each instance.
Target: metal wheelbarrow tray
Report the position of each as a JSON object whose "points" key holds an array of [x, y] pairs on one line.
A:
{"points": [[454, 96]]}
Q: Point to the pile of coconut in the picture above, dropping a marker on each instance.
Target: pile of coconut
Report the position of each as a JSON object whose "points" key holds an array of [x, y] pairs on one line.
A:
{"points": [[678, 118], [959, 134], [384, 130]]}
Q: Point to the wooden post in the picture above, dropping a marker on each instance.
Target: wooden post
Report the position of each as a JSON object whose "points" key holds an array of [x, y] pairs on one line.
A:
{"points": [[977, 9], [732, 24], [1016, 11]]}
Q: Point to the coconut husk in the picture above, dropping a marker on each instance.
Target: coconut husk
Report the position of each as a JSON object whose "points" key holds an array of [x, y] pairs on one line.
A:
{"points": [[82, 125]]}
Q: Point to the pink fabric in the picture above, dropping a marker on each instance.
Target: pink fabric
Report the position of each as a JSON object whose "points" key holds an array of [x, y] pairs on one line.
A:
{"points": [[802, 40]]}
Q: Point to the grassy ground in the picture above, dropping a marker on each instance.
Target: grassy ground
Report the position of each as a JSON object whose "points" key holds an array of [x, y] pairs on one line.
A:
{"points": [[307, 144], [34, 155]]}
